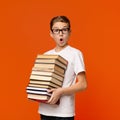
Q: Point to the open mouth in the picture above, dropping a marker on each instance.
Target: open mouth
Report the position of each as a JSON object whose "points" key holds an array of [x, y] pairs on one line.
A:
{"points": [[61, 39]]}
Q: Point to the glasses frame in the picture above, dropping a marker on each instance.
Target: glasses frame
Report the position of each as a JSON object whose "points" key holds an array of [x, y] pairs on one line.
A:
{"points": [[61, 30]]}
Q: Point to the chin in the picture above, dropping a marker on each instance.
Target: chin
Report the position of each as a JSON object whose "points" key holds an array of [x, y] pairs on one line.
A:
{"points": [[63, 45]]}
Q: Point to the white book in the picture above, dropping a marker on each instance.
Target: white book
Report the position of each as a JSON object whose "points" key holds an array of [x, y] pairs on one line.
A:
{"points": [[36, 88], [38, 92]]}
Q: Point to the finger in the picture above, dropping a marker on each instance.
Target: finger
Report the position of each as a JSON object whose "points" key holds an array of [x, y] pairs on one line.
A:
{"points": [[50, 90], [52, 100], [49, 101]]}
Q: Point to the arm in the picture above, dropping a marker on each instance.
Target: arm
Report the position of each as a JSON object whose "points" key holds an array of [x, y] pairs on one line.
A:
{"points": [[80, 85]]}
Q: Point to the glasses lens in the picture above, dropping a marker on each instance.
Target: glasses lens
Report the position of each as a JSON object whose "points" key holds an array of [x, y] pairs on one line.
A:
{"points": [[57, 31], [65, 30]]}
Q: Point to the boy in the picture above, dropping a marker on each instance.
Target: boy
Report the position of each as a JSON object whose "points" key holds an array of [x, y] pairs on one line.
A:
{"points": [[60, 31]]}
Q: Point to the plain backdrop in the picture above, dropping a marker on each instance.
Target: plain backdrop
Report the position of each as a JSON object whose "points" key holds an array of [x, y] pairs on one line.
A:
{"points": [[24, 33]]}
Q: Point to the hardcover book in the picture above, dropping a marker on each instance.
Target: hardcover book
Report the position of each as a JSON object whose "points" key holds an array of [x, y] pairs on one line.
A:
{"points": [[47, 74], [50, 67], [50, 56]]}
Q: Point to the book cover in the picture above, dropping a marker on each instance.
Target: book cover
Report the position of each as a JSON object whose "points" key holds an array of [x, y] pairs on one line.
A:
{"points": [[36, 88], [43, 86], [51, 61], [47, 74], [43, 100], [50, 56], [38, 97], [47, 70], [49, 67], [39, 92], [45, 79], [50, 83]]}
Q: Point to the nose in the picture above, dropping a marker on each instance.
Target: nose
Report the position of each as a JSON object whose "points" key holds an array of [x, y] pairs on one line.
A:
{"points": [[60, 32]]}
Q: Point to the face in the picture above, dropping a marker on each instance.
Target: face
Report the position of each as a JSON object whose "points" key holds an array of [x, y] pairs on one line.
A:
{"points": [[60, 33]]}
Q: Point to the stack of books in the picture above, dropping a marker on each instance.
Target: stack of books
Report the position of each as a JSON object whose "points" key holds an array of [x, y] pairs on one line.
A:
{"points": [[47, 72]]}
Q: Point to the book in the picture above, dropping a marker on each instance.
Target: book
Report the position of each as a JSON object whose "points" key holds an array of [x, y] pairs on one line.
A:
{"points": [[51, 56], [50, 61], [42, 98], [36, 88], [47, 74], [38, 92], [46, 78], [49, 67], [50, 83], [47, 70]]}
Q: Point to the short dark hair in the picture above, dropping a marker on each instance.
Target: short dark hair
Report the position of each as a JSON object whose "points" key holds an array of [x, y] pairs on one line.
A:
{"points": [[59, 19]]}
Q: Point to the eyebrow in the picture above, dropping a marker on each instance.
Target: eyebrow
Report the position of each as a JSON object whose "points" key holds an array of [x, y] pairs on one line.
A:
{"points": [[60, 28]]}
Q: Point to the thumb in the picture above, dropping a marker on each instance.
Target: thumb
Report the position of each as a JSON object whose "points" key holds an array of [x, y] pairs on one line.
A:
{"points": [[50, 90]]}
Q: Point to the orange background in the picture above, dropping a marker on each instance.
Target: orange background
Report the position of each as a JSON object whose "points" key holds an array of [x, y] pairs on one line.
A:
{"points": [[25, 33]]}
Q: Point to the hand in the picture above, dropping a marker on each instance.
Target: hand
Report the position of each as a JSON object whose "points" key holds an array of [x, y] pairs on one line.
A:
{"points": [[56, 94]]}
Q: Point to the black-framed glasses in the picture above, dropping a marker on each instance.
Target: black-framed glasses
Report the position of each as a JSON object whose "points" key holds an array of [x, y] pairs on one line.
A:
{"points": [[63, 30]]}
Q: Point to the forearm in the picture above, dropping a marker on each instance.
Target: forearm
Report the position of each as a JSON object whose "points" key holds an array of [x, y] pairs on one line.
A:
{"points": [[73, 89], [78, 86]]}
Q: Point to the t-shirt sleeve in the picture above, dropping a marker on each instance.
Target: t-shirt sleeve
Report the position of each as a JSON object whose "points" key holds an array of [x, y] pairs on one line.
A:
{"points": [[79, 65]]}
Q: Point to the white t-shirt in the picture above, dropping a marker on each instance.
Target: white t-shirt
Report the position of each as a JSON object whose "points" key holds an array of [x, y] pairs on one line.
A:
{"points": [[75, 65]]}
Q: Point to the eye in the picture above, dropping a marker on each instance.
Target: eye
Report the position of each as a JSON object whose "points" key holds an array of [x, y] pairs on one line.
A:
{"points": [[65, 29], [55, 30]]}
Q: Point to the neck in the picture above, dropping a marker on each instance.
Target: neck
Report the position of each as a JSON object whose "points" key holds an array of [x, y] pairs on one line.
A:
{"points": [[59, 48]]}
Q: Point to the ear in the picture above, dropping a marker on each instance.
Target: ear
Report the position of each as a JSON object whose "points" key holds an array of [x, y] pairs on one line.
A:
{"points": [[51, 34]]}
